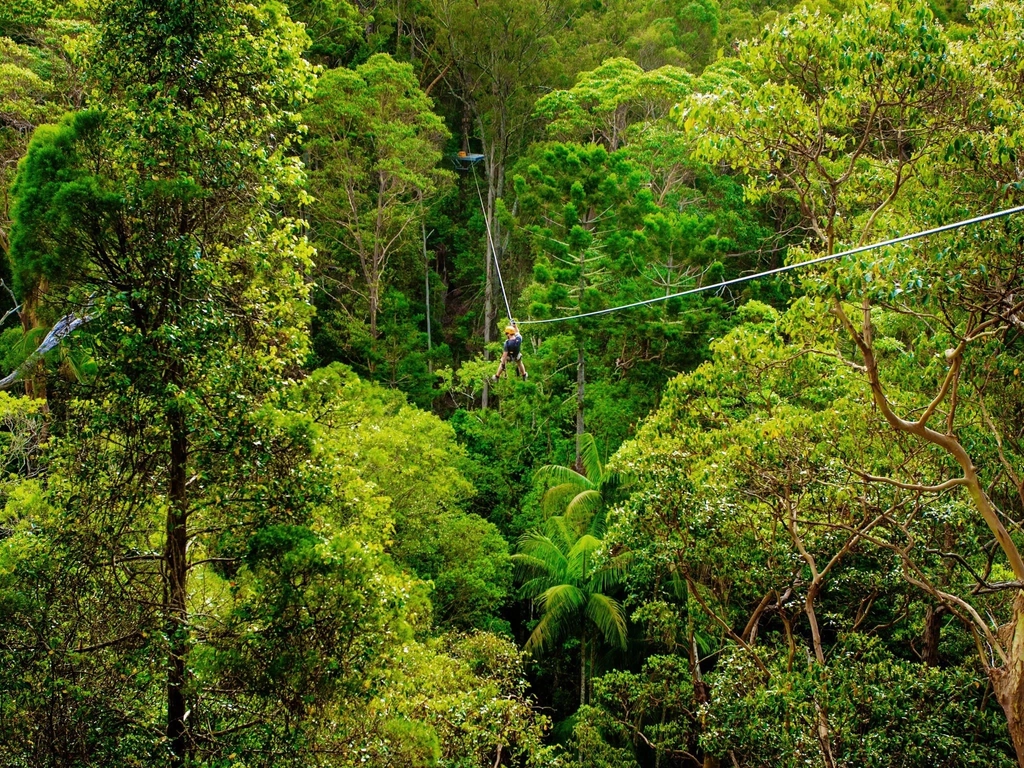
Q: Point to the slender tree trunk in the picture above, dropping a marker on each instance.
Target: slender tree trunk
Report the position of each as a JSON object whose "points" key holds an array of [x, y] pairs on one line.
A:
{"points": [[426, 280], [824, 736], [488, 314], [374, 291], [378, 260], [35, 381], [175, 616], [824, 731], [495, 189], [812, 619], [580, 376], [495, 183], [580, 381], [373, 295], [591, 666], [583, 669], [701, 690]]}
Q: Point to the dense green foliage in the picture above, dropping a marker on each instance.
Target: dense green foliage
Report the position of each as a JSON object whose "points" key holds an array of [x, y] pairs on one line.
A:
{"points": [[263, 504]]}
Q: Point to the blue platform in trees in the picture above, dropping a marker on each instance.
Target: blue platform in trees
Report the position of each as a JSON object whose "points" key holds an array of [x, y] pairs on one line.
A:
{"points": [[465, 160]]}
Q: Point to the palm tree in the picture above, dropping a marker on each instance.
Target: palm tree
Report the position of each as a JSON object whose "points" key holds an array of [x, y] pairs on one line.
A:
{"points": [[578, 496], [569, 577]]}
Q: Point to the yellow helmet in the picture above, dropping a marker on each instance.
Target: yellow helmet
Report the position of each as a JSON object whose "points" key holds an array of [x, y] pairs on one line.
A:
{"points": [[510, 330]]}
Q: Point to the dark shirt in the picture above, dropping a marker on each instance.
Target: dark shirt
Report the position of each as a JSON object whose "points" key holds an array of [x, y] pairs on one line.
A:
{"points": [[513, 344]]}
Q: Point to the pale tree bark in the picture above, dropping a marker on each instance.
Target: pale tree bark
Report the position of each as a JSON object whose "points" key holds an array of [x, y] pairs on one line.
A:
{"points": [[822, 726], [61, 329], [1008, 678], [580, 373], [488, 315], [495, 173]]}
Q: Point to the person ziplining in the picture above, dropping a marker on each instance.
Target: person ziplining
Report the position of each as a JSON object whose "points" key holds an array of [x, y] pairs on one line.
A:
{"points": [[514, 340], [512, 351]]}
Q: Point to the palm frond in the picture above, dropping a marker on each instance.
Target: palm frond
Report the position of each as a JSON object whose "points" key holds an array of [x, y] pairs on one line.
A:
{"points": [[557, 474], [561, 599], [561, 532], [560, 603], [528, 565], [582, 508], [705, 642], [81, 366], [610, 619], [30, 340], [537, 586], [613, 481], [566, 484], [678, 584], [539, 554], [585, 545], [544, 635], [583, 555], [607, 577], [597, 522], [555, 499], [591, 459]]}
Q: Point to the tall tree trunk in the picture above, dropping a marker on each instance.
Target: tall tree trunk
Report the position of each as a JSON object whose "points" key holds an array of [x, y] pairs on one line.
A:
{"points": [[488, 313], [932, 634], [426, 279], [35, 381], [580, 381], [583, 669], [1008, 680], [812, 619], [580, 376], [175, 613], [824, 736], [701, 690], [374, 294], [495, 189], [495, 159]]}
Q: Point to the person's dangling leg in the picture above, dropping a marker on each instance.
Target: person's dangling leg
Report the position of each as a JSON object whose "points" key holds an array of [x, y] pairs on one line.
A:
{"points": [[522, 369], [501, 366]]}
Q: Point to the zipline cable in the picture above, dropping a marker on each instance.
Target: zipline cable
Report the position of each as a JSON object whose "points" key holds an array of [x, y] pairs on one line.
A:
{"points": [[490, 242], [778, 270]]}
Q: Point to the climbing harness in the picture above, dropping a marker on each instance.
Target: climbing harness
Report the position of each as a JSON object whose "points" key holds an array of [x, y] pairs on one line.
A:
{"points": [[512, 351]]}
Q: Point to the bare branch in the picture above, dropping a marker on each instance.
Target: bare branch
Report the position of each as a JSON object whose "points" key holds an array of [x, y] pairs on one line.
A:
{"points": [[952, 483], [62, 328], [725, 625]]}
